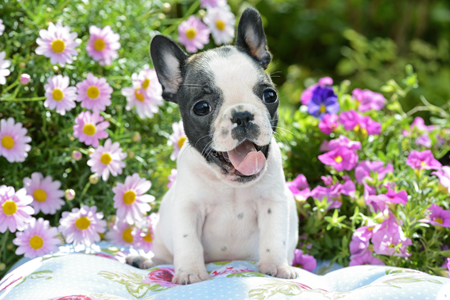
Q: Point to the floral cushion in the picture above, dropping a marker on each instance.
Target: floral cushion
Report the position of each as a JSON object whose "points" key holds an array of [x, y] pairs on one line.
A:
{"points": [[98, 273]]}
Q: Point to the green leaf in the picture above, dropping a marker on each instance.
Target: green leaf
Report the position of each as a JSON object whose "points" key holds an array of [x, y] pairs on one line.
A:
{"points": [[41, 274], [276, 287], [246, 274], [132, 282]]}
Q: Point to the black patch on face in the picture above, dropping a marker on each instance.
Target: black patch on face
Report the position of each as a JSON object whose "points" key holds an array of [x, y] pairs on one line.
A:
{"points": [[245, 129], [258, 90]]}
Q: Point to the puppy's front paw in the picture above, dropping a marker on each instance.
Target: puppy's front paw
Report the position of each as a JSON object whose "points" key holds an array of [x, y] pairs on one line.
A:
{"points": [[283, 271], [187, 275], [140, 261]]}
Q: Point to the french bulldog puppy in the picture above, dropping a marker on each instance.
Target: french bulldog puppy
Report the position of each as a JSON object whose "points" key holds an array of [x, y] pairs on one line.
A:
{"points": [[230, 200]]}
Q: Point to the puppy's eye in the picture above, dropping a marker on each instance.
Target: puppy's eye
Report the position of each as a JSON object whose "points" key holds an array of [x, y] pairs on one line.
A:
{"points": [[202, 108], [270, 96]]}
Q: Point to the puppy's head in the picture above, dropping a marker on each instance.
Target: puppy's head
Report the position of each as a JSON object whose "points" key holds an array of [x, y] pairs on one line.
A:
{"points": [[227, 102]]}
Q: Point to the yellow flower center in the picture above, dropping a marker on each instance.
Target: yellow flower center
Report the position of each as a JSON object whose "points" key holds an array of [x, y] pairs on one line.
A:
{"points": [[36, 242], [191, 33], [423, 164], [323, 109], [371, 228], [7, 142], [82, 223], [58, 46], [364, 131], [40, 195], [338, 159], [146, 83], [439, 220], [9, 207], [89, 129], [57, 95], [127, 236], [93, 92], [99, 44], [181, 141], [129, 197], [148, 238], [357, 128], [138, 95], [105, 158], [220, 25]]}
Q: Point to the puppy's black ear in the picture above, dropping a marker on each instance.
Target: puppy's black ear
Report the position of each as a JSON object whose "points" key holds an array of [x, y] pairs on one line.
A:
{"points": [[168, 59], [251, 37]]}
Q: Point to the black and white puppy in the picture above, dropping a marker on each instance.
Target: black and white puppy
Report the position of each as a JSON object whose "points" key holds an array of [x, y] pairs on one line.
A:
{"points": [[230, 200]]}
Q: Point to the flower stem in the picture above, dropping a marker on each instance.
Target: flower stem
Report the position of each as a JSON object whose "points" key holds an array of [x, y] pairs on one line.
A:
{"points": [[24, 99], [11, 86], [4, 238], [189, 12]]}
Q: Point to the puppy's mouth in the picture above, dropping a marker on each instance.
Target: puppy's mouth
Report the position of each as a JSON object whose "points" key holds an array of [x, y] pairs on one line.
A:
{"points": [[245, 160]]}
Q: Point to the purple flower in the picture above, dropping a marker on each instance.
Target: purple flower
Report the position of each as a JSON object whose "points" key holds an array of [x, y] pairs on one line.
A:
{"points": [[379, 202], [438, 216], [193, 34], [328, 124], [424, 140], [340, 158], [323, 101], [365, 258], [444, 178], [365, 168], [308, 92], [327, 180], [343, 141], [299, 188], [387, 236], [304, 261], [418, 125], [422, 160], [360, 239], [358, 123], [333, 193], [324, 147], [368, 100]]}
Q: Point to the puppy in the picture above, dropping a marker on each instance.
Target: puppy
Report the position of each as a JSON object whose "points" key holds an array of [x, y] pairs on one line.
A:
{"points": [[230, 200]]}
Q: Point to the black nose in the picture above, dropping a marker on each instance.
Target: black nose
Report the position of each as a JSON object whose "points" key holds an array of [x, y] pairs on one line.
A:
{"points": [[242, 118]]}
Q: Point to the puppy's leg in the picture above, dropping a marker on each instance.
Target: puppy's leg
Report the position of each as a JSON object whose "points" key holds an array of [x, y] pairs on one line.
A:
{"points": [[188, 251], [273, 223], [162, 257]]}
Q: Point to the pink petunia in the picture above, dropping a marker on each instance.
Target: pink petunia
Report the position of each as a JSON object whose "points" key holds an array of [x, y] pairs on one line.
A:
{"points": [[360, 239], [89, 128], [15, 211], [94, 93], [59, 95], [107, 159], [58, 44], [340, 158], [130, 199], [444, 178], [343, 141], [38, 239], [172, 177], [422, 160], [368, 100], [328, 124], [103, 44], [177, 139], [438, 216], [388, 236], [308, 92], [193, 34], [121, 233], [365, 258], [379, 202], [304, 261], [358, 123], [299, 188], [13, 141], [333, 193], [365, 168], [82, 226], [47, 197], [212, 3]]}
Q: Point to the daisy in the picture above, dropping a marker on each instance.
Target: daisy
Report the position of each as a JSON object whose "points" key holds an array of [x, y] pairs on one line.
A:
{"points": [[212, 3], [145, 233], [45, 192], [94, 93], [2, 27], [15, 211], [13, 141], [121, 233], [89, 128], [193, 34], [130, 199], [82, 226], [177, 139], [107, 159], [4, 65], [221, 21], [58, 44], [37, 239], [59, 95], [102, 44]]}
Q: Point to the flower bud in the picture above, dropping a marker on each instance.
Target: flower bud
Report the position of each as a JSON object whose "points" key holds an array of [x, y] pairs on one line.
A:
{"points": [[69, 194], [55, 69], [24, 79], [202, 13], [93, 179], [130, 154], [161, 16], [166, 7], [2, 266], [136, 137], [76, 155], [22, 65]]}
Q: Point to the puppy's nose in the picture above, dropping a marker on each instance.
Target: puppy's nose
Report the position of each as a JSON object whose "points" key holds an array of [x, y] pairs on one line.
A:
{"points": [[242, 118]]}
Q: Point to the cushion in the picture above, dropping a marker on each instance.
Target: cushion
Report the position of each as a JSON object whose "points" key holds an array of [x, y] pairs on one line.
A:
{"points": [[99, 273]]}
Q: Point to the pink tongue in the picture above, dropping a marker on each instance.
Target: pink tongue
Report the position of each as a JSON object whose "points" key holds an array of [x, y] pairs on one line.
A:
{"points": [[246, 160]]}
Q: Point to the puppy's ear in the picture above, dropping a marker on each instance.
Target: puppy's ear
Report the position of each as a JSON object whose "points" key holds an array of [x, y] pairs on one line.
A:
{"points": [[251, 37], [168, 59]]}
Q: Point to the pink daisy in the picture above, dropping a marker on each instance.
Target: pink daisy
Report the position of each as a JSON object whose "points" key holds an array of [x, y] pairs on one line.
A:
{"points": [[177, 139], [82, 226], [89, 128], [59, 94], [15, 211], [45, 192], [102, 44], [57, 43], [4, 65], [130, 199], [94, 93], [193, 34], [13, 141], [37, 239], [221, 22], [145, 234], [107, 159], [212, 3], [121, 233]]}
